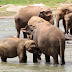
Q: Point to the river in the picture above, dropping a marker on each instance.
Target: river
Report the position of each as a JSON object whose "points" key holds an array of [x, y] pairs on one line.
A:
{"points": [[7, 28]]}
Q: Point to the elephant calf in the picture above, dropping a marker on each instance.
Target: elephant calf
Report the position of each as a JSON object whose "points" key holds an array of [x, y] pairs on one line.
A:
{"points": [[11, 47], [68, 21]]}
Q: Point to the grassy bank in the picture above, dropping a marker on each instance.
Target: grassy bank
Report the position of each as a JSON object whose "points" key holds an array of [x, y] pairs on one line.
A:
{"points": [[51, 3], [27, 2]]}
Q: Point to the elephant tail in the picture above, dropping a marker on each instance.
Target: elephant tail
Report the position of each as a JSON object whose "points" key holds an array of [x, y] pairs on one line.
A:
{"points": [[62, 48]]}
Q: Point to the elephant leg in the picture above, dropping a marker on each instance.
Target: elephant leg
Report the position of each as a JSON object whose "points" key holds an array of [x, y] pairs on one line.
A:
{"points": [[25, 56], [34, 57], [22, 57], [18, 33], [71, 31], [64, 24], [4, 59], [47, 58], [62, 60], [55, 59], [25, 35]]}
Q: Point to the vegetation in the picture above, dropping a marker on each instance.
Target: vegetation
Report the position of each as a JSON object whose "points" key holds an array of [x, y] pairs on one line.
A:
{"points": [[51, 3], [27, 2]]}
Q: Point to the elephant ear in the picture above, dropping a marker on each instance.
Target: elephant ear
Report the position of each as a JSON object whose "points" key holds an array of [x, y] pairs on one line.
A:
{"points": [[29, 29], [46, 15], [41, 14]]}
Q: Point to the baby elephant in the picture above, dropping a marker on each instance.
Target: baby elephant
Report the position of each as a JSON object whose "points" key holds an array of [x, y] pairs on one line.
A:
{"points": [[11, 47]]}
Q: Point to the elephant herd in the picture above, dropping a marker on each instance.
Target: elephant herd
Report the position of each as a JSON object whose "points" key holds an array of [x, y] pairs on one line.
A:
{"points": [[65, 13], [42, 36]]}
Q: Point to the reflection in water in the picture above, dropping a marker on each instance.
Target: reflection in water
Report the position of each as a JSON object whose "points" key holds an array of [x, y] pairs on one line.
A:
{"points": [[7, 28]]}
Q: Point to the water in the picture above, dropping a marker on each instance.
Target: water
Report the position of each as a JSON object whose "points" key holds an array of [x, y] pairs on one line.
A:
{"points": [[7, 28]]}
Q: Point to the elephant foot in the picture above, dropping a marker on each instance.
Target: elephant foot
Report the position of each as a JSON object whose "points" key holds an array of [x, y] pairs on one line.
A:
{"points": [[23, 60], [63, 63], [55, 58], [71, 31], [4, 59], [47, 58], [34, 58], [62, 60], [39, 58]]}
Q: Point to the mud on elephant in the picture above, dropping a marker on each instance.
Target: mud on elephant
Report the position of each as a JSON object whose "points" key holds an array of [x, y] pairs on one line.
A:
{"points": [[49, 39], [61, 12], [11, 47], [24, 14]]}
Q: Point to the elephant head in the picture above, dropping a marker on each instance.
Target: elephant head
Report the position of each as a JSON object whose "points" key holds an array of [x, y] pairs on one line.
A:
{"points": [[32, 48], [47, 15], [60, 13], [29, 29]]}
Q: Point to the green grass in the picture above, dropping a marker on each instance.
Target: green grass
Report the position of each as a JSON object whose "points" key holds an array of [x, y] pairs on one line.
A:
{"points": [[51, 3], [3, 12], [3, 9], [27, 2]]}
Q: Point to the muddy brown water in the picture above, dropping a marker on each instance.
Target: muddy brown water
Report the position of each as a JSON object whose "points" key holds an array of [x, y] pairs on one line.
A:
{"points": [[7, 28]]}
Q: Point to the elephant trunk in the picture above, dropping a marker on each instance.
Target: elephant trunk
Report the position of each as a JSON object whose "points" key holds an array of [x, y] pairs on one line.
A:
{"points": [[57, 20], [52, 21], [66, 23], [67, 27]]}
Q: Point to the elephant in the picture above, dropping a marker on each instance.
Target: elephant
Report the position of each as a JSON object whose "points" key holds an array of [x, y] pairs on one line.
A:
{"points": [[61, 12], [24, 14], [33, 21], [68, 21], [11, 47], [49, 39]]}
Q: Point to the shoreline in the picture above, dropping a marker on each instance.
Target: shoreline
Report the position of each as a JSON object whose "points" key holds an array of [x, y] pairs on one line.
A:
{"points": [[7, 17], [15, 9]]}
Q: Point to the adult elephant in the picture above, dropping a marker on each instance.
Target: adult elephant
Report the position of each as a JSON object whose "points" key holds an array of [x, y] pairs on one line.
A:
{"points": [[24, 14], [61, 12], [11, 47], [68, 20], [49, 39]]}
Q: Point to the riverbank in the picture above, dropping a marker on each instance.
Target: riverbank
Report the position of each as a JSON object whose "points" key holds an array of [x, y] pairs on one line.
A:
{"points": [[10, 10]]}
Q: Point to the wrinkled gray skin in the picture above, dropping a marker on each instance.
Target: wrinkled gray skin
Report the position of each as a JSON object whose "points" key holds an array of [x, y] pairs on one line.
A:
{"points": [[68, 21], [49, 39], [61, 12], [11, 47], [24, 14]]}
